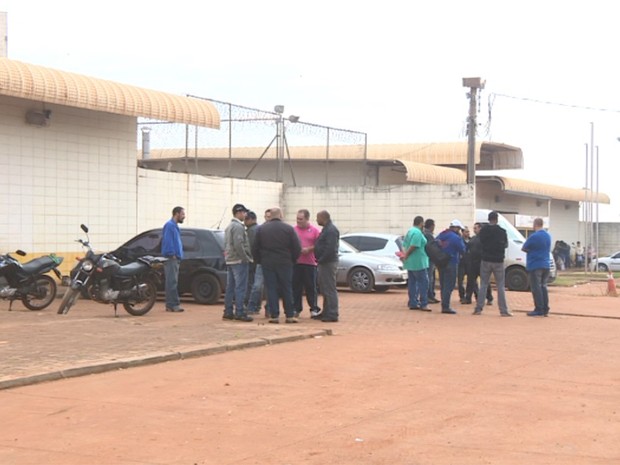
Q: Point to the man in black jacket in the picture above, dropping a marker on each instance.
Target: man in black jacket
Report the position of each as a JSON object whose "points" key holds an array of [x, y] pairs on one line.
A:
{"points": [[473, 272], [276, 247], [494, 241], [326, 253], [429, 228]]}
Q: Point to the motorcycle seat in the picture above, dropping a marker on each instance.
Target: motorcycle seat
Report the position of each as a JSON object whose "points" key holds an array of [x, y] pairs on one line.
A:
{"points": [[39, 265], [131, 269]]}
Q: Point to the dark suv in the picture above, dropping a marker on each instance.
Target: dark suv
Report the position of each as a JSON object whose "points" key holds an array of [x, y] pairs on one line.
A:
{"points": [[203, 269]]}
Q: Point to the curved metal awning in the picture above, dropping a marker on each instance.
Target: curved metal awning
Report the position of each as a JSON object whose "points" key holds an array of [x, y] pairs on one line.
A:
{"points": [[48, 85], [544, 191], [431, 174]]}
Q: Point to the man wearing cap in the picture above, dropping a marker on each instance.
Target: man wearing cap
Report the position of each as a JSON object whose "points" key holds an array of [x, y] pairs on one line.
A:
{"points": [[452, 243], [494, 240], [238, 259]]}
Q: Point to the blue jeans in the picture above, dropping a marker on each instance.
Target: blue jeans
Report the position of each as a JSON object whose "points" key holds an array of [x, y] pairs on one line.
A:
{"points": [[236, 284], [538, 286], [171, 274], [256, 292], [497, 269], [279, 283], [447, 281], [417, 285]]}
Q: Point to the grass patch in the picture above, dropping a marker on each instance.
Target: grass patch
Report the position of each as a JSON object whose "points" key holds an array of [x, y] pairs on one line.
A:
{"points": [[572, 278]]}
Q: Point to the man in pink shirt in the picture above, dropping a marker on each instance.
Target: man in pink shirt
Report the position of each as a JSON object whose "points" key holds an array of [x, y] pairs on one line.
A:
{"points": [[304, 271]]}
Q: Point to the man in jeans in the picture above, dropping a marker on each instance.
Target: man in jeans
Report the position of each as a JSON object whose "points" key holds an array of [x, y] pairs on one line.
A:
{"points": [[494, 241], [452, 243], [172, 249], [415, 261], [238, 259], [538, 246]]}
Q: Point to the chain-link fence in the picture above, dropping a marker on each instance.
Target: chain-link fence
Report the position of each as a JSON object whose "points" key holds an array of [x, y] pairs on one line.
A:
{"points": [[250, 134]]}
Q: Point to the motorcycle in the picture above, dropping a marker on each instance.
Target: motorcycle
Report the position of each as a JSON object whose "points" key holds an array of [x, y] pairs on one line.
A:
{"points": [[28, 281], [102, 278]]}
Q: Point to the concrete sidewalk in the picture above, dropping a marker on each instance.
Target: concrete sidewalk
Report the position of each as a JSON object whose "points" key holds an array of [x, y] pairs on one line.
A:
{"points": [[44, 346]]}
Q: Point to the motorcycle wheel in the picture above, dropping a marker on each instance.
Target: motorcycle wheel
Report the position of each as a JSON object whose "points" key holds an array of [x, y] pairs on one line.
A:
{"points": [[45, 294], [71, 295], [145, 305]]}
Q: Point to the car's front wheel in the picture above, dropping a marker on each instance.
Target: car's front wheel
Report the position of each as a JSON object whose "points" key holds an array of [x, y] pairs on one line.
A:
{"points": [[206, 289], [361, 280], [603, 267]]}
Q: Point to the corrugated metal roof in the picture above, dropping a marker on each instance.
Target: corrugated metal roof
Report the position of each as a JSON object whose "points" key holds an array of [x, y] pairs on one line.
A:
{"points": [[495, 155], [544, 190], [48, 85]]}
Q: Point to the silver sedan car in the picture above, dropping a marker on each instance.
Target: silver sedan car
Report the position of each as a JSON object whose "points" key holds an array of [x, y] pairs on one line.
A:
{"points": [[363, 272]]}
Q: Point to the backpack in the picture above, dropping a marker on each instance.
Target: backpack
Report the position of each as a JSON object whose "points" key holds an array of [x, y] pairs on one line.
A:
{"points": [[436, 254]]}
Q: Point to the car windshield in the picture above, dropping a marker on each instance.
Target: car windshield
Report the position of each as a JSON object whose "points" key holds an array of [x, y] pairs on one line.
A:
{"points": [[345, 247]]}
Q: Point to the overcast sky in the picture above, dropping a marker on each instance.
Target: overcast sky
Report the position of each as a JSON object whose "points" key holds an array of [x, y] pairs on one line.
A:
{"points": [[392, 69]]}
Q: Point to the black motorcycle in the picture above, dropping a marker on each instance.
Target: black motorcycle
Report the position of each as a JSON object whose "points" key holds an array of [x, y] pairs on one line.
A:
{"points": [[28, 282], [102, 278]]}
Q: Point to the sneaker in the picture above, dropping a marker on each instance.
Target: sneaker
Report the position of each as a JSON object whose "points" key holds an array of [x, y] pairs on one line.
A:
{"points": [[449, 311], [245, 318], [535, 313], [477, 312], [228, 316], [176, 310], [490, 302], [507, 314], [416, 307], [291, 320], [329, 320], [425, 308], [317, 316], [314, 313], [433, 300], [275, 321], [296, 314]]}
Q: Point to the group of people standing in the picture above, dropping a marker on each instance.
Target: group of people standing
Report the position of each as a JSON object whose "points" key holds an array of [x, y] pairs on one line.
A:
{"points": [[287, 261], [274, 258], [463, 256]]}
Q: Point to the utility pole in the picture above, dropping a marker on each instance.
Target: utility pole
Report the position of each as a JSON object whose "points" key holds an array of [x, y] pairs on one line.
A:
{"points": [[474, 84]]}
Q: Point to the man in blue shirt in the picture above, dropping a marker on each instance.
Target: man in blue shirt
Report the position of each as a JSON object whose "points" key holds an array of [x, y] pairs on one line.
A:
{"points": [[452, 243], [538, 247], [172, 249]]}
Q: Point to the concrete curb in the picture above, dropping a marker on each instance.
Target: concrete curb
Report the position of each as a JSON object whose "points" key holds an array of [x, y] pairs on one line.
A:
{"points": [[151, 359]]}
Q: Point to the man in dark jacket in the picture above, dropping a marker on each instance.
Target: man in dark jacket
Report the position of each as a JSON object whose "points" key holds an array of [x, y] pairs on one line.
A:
{"points": [[429, 229], [473, 272], [276, 247], [326, 253], [494, 241]]}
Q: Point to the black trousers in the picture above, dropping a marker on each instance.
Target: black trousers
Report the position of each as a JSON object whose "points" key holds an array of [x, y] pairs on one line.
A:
{"points": [[304, 280]]}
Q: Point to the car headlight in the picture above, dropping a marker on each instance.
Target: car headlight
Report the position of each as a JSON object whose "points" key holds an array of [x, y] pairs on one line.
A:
{"points": [[387, 267], [87, 265]]}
